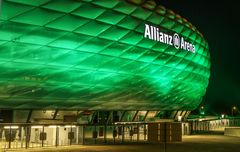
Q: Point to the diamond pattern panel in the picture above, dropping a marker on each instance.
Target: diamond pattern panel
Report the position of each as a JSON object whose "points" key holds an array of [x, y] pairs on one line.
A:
{"points": [[91, 54]]}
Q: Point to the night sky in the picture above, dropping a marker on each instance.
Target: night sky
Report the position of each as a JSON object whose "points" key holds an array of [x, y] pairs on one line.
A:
{"points": [[219, 23]]}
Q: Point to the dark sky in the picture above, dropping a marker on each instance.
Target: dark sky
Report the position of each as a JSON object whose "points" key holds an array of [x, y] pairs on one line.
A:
{"points": [[220, 24]]}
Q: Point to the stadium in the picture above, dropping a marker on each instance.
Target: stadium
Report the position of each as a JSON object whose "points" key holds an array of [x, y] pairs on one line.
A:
{"points": [[66, 64]]}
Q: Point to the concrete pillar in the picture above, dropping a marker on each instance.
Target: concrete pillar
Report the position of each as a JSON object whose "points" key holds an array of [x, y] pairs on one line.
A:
{"points": [[123, 133], [83, 142], [105, 133], [137, 132], [77, 132], [22, 134], [57, 136], [81, 134]]}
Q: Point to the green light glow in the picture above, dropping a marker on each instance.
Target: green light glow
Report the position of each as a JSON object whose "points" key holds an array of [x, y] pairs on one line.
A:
{"points": [[91, 54]]}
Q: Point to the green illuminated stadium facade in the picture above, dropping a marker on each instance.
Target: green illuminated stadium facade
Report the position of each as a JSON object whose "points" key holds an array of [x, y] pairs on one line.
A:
{"points": [[99, 55]]}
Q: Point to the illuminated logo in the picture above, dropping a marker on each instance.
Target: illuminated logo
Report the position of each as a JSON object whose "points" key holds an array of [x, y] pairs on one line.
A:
{"points": [[154, 33], [176, 41]]}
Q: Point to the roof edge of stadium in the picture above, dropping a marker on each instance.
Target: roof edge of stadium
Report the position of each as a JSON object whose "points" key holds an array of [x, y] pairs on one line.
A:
{"points": [[160, 9]]}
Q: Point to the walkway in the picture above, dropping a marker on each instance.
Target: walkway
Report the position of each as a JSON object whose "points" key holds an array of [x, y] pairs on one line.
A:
{"points": [[194, 143]]}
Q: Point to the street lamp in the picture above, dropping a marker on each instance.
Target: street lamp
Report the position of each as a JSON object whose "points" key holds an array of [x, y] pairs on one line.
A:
{"points": [[222, 116], [202, 110], [234, 108]]}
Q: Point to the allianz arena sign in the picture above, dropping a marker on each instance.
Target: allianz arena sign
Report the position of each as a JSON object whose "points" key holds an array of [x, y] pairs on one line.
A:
{"points": [[154, 33]]}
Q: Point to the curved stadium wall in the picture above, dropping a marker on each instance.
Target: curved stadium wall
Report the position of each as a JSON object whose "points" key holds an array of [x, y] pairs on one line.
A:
{"points": [[99, 54]]}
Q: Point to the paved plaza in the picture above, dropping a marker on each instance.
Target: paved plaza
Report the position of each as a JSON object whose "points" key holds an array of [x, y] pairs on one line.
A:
{"points": [[193, 143]]}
